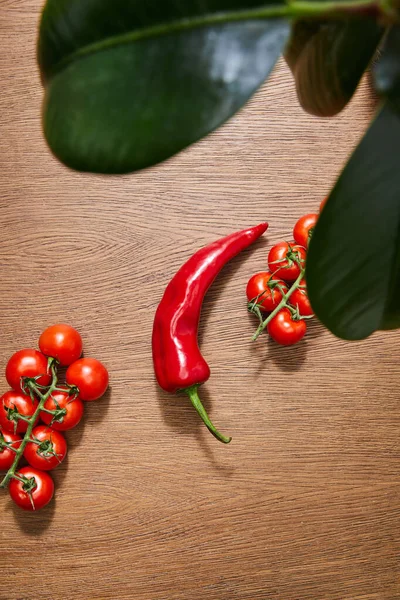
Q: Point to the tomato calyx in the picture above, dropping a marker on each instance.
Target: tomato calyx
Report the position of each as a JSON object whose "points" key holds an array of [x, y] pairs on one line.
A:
{"points": [[30, 383], [28, 483], [45, 448], [255, 306], [14, 415], [59, 413], [73, 391], [6, 445], [28, 486], [294, 311], [3, 444], [256, 302], [296, 314], [292, 257]]}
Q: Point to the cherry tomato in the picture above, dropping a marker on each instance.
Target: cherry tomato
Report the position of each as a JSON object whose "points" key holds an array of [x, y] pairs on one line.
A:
{"points": [[62, 342], [35, 492], [7, 455], [16, 401], [51, 450], [303, 229], [282, 260], [324, 201], [69, 411], [89, 376], [27, 363], [266, 291], [285, 330], [299, 299]]}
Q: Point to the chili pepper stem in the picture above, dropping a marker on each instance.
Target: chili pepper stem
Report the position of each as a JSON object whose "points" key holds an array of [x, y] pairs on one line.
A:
{"points": [[193, 394], [27, 437], [281, 305]]}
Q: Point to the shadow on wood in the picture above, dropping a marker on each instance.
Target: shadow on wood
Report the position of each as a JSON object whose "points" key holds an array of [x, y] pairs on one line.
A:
{"points": [[182, 418]]}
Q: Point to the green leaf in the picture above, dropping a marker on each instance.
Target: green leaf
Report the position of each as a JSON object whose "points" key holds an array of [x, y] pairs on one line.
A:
{"points": [[329, 61], [387, 69], [353, 265], [302, 32], [129, 84]]}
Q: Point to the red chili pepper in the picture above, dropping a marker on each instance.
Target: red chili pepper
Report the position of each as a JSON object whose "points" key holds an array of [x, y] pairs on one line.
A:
{"points": [[178, 362]]}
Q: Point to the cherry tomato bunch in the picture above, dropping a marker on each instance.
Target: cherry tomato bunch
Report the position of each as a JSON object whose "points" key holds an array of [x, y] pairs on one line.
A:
{"points": [[36, 395], [278, 297]]}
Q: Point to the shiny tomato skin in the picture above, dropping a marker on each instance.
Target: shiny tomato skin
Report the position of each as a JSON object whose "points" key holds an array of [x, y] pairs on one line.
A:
{"points": [[61, 342], [279, 264], [299, 298], [27, 363], [267, 298], [7, 455], [73, 406], [89, 376], [284, 330], [41, 495], [25, 406], [32, 453], [303, 229]]}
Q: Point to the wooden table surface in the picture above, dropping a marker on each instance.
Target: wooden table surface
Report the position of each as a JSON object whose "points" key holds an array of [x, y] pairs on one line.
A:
{"points": [[304, 504]]}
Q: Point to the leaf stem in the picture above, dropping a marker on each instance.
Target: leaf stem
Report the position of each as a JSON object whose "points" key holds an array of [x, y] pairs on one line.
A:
{"points": [[293, 9], [27, 437], [337, 9], [281, 305]]}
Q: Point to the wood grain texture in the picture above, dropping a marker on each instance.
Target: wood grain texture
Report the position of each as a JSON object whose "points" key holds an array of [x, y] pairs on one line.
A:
{"points": [[304, 504]]}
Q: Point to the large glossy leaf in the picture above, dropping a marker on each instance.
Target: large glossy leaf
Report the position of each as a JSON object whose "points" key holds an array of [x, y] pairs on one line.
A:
{"points": [[353, 265], [129, 83], [387, 69], [302, 32], [328, 61]]}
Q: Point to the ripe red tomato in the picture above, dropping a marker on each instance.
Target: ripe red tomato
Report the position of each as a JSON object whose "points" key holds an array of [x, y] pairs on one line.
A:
{"points": [[62, 342], [7, 455], [299, 298], [285, 330], [89, 376], [16, 401], [51, 450], [27, 363], [303, 229], [70, 411], [282, 260], [35, 492], [265, 290]]}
